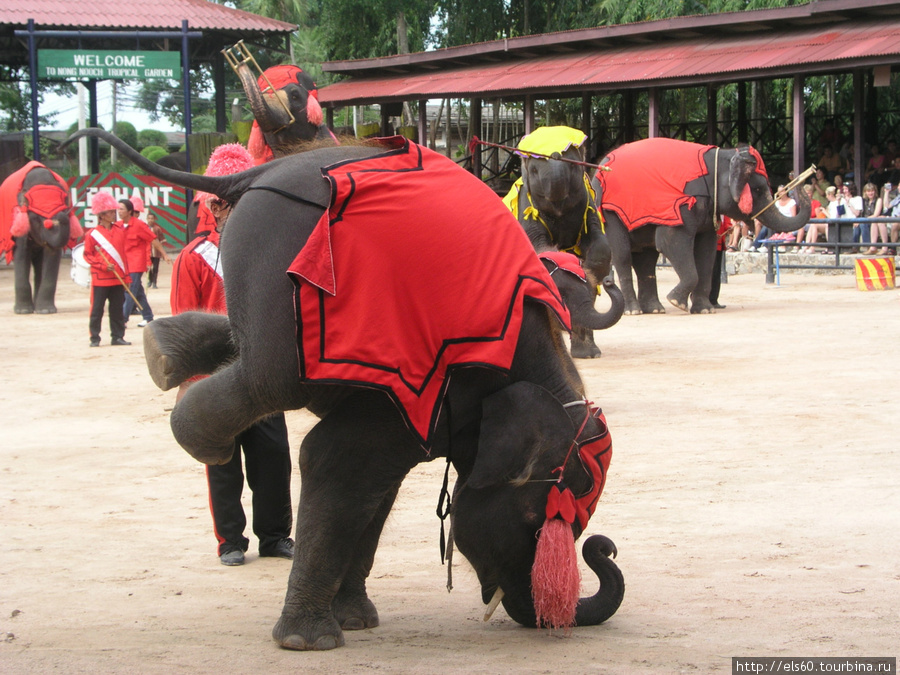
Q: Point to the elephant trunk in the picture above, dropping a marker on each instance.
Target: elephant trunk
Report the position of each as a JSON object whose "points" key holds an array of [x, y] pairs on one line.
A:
{"points": [[269, 117], [778, 222], [229, 187], [595, 320], [603, 604]]}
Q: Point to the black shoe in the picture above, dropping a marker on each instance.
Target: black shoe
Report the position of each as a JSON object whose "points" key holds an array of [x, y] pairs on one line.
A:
{"points": [[232, 558], [95, 343], [119, 342], [284, 548], [718, 306]]}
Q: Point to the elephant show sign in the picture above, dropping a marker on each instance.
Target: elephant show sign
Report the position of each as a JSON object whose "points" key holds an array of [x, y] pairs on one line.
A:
{"points": [[167, 201]]}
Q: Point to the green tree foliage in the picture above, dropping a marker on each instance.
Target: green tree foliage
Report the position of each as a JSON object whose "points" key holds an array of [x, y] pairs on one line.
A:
{"points": [[148, 138], [15, 99]]}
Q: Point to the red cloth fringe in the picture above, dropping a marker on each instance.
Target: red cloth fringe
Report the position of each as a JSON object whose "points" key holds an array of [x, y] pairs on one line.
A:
{"points": [[555, 579]]}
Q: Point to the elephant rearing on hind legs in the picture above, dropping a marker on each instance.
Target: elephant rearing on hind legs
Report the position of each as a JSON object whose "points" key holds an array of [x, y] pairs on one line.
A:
{"points": [[665, 196], [326, 310]]}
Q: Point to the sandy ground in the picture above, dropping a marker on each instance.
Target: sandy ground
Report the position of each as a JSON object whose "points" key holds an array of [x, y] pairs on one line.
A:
{"points": [[753, 497]]}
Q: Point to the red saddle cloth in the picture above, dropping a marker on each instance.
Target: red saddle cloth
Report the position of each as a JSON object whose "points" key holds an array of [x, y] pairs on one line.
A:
{"points": [[646, 179], [415, 269]]}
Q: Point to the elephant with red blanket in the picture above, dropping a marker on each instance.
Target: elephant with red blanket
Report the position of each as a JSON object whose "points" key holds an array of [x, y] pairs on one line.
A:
{"points": [[416, 324], [36, 224]]}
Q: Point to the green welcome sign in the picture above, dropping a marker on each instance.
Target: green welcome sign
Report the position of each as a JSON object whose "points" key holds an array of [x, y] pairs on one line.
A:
{"points": [[58, 64]]}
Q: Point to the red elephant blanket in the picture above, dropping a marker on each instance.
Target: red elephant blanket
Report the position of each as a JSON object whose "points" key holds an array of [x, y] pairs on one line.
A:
{"points": [[417, 268], [646, 179]]}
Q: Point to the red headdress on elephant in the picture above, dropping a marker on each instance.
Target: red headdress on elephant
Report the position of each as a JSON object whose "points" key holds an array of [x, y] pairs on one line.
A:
{"points": [[280, 77]]}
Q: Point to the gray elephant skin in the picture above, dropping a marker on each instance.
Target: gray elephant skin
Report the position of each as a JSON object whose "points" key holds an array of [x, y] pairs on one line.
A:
{"points": [[38, 225], [715, 182], [557, 212], [506, 430]]}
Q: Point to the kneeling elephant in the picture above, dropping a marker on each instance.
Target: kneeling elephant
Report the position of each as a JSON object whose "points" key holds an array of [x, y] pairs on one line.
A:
{"points": [[328, 312]]}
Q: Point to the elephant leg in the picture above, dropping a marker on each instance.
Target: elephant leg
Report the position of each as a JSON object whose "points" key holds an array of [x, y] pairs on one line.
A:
{"points": [[351, 464], [583, 345], [47, 266], [352, 607], [180, 347], [644, 262], [620, 243], [677, 244], [705, 257], [22, 266]]}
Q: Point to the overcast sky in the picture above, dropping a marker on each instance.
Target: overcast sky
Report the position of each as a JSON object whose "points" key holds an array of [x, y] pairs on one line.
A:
{"points": [[67, 109]]}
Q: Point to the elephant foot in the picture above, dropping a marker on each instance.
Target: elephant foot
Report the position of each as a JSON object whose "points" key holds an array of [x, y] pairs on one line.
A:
{"points": [[633, 312], [160, 365], [583, 345], [585, 351], [24, 309], [45, 310], [355, 613], [632, 308], [677, 302], [308, 634], [703, 310], [652, 307]]}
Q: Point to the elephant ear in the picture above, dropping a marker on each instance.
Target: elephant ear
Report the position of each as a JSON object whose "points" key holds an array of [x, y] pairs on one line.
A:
{"points": [[742, 166], [520, 424]]}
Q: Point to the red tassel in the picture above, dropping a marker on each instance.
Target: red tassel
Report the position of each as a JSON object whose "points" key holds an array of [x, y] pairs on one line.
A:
{"points": [[75, 231], [745, 204], [20, 224], [313, 111], [257, 145], [555, 579]]}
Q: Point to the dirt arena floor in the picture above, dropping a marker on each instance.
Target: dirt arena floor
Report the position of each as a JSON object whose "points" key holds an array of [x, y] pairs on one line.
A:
{"points": [[753, 496]]}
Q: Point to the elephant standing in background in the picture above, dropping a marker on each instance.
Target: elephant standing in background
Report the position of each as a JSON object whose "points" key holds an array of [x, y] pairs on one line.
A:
{"points": [[405, 359], [662, 195], [554, 203], [36, 224]]}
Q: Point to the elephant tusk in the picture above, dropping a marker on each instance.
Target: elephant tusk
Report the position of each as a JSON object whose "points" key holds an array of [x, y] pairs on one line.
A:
{"points": [[492, 605]]}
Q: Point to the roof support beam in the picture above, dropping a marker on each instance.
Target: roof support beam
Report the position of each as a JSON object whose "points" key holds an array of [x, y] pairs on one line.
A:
{"points": [[653, 112], [799, 125]]}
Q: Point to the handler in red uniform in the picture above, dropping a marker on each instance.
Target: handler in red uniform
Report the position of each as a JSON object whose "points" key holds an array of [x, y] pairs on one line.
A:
{"points": [[104, 251], [197, 286], [138, 240]]}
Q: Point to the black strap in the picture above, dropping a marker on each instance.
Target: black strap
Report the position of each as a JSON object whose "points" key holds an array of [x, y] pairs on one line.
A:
{"points": [[443, 506]]}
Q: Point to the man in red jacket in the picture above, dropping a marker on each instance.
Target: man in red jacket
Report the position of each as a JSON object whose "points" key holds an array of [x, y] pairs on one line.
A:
{"points": [[138, 240], [104, 251], [197, 286]]}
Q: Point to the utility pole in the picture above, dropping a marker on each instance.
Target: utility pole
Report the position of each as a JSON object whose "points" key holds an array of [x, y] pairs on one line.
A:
{"points": [[82, 142], [113, 153]]}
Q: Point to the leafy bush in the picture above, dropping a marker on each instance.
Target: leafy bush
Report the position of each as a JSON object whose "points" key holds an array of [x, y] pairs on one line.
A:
{"points": [[154, 152], [127, 132]]}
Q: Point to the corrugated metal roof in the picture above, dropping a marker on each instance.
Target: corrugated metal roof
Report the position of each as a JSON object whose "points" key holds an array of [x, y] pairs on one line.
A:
{"points": [[770, 54], [116, 14]]}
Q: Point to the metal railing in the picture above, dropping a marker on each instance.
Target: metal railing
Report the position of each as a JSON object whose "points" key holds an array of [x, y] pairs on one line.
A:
{"points": [[840, 240]]}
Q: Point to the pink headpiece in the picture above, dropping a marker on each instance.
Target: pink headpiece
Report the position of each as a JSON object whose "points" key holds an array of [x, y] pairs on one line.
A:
{"points": [[137, 203], [103, 201], [225, 160]]}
